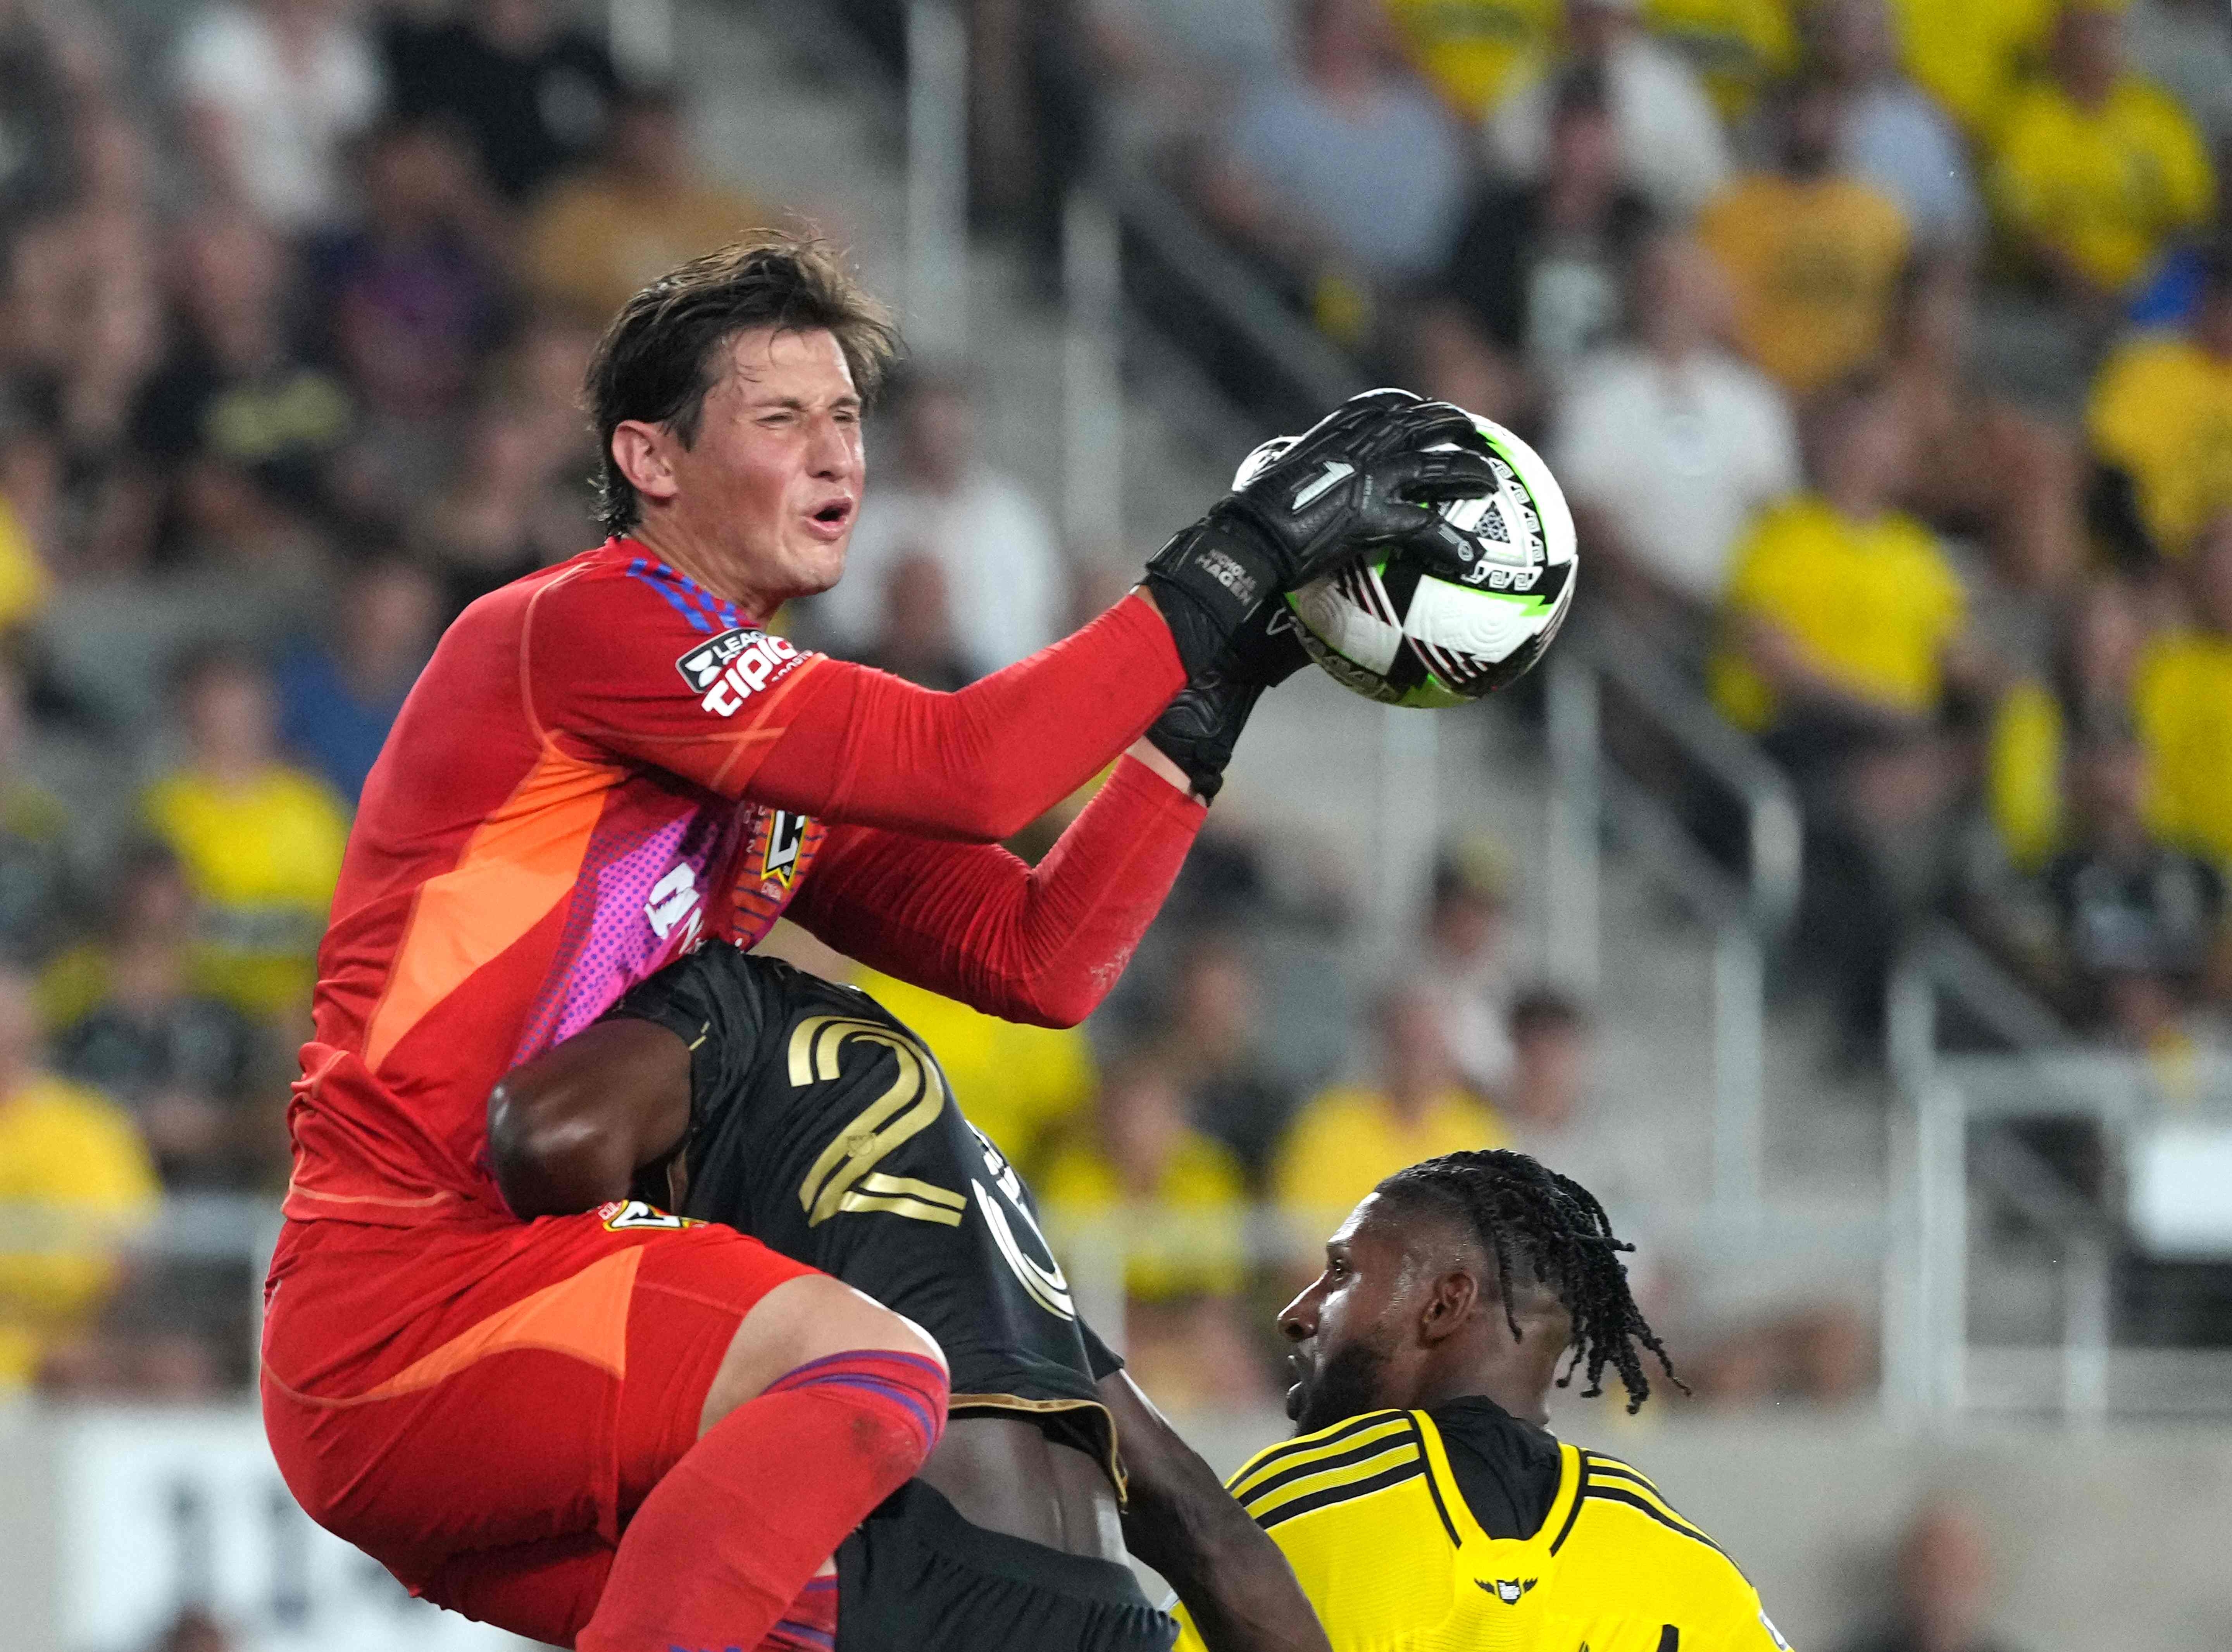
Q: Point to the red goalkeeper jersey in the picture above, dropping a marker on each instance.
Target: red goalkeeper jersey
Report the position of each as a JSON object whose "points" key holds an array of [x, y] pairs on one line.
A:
{"points": [[605, 763]]}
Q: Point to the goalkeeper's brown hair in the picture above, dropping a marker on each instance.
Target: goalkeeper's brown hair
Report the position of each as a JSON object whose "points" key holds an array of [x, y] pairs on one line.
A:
{"points": [[663, 351]]}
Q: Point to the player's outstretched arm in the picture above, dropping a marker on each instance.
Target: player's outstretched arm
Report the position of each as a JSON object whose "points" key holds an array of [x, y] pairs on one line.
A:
{"points": [[1042, 944], [1180, 1520], [568, 1130]]}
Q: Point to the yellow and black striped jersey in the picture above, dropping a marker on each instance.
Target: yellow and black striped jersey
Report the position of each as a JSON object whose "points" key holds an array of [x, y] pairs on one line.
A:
{"points": [[1387, 1544]]}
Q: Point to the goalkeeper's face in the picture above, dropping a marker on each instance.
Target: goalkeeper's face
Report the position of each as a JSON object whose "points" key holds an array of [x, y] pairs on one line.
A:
{"points": [[764, 497]]}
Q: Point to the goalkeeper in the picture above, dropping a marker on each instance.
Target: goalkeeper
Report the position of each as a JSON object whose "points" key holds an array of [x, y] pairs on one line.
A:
{"points": [[612, 1432]]}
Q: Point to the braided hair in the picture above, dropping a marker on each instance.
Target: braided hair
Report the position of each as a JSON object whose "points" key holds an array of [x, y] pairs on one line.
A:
{"points": [[1518, 1209]]}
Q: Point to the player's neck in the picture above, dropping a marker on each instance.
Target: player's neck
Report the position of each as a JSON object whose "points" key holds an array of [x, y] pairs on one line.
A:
{"points": [[682, 553], [1524, 1394]]}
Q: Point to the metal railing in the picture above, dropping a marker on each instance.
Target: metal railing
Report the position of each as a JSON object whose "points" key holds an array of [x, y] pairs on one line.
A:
{"points": [[1747, 911], [1957, 1149]]}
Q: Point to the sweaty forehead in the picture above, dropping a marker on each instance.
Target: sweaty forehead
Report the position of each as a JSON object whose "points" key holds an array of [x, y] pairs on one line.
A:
{"points": [[783, 363]]}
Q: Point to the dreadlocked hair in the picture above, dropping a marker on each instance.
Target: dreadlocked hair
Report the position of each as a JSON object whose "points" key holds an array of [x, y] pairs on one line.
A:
{"points": [[1521, 1211]]}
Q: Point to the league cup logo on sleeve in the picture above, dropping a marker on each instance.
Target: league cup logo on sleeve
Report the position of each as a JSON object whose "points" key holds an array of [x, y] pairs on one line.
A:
{"points": [[727, 670]]}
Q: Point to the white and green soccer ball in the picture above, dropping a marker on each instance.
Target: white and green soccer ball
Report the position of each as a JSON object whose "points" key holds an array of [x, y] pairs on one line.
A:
{"points": [[1385, 629]]}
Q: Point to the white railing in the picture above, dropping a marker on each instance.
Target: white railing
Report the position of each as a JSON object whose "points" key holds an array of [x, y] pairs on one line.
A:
{"points": [[1747, 913]]}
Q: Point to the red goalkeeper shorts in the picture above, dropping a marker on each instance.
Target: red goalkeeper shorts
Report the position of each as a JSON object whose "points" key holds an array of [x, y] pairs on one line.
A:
{"points": [[474, 1398]]}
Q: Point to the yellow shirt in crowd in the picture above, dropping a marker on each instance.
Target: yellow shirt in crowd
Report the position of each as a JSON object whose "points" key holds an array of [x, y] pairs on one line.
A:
{"points": [[73, 1178], [1470, 49], [24, 582], [1870, 605], [2182, 697], [1971, 55], [1348, 1138], [1739, 46], [2162, 409], [2105, 187], [594, 242], [1815, 265], [263, 858], [1191, 1244], [2022, 775], [1020, 1085]]}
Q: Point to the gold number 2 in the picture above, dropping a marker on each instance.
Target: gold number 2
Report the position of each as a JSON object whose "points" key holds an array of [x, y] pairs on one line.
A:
{"points": [[845, 1177]]}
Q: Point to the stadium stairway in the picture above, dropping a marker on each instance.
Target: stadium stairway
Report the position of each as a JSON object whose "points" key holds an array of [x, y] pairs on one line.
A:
{"points": [[788, 111]]}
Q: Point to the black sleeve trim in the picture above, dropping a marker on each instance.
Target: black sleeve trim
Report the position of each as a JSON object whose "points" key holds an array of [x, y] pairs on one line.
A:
{"points": [[1610, 1494], [1670, 1638], [1333, 1494], [1354, 1455]]}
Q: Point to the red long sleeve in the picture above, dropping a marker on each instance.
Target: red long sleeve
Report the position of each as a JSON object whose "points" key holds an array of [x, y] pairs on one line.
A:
{"points": [[868, 749], [972, 921]]}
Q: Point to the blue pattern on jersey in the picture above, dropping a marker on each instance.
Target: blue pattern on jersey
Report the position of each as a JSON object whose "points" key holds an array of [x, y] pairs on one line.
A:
{"points": [[662, 580]]}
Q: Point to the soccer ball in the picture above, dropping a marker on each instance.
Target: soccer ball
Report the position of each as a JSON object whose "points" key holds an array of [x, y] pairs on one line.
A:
{"points": [[1392, 633]]}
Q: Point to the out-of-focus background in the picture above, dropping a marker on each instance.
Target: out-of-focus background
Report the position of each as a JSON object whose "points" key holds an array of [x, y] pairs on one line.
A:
{"points": [[1844, 902]]}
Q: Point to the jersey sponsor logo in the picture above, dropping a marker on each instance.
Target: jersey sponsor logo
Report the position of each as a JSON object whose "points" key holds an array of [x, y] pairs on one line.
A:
{"points": [[674, 899], [1506, 1589], [632, 1215], [730, 668]]}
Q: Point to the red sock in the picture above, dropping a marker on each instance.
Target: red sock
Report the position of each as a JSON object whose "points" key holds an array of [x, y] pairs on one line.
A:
{"points": [[732, 1534], [809, 1623]]}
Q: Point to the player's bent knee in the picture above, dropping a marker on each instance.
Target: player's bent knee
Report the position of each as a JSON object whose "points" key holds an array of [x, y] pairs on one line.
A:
{"points": [[802, 1320]]}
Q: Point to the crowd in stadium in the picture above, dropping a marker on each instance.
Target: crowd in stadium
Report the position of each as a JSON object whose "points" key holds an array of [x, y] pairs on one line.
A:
{"points": [[1885, 351]]}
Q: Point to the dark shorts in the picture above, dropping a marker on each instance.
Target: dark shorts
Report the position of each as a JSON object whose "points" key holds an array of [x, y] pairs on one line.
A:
{"points": [[916, 1575]]}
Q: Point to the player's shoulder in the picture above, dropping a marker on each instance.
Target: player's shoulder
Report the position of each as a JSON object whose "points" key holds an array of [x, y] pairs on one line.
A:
{"points": [[1349, 1461], [1616, 1500]]}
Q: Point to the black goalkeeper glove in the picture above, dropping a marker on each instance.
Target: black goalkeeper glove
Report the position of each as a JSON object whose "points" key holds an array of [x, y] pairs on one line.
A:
{"points": [[1357, 480], [1199, 730]]}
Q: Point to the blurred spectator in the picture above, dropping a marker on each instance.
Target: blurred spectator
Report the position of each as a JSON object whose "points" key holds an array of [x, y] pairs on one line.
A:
{"points": [[261, 842], [184, 1064], [1178, 62], [1944, 1587], [506, 510], [1668, 445], [411, 297], [339, 694], [1473, 51], [1005, 580], [1468, 972], [2095, 170], [1844, 618], [2084, 690], [1815, 259], [194, 1630], [2182, 693], [2160, 410], [2185, 47], [1176, 1200], [534, 91], [1213, 1044], [1889, 133], [34, 836], [1025, 1087], [35, 161], [1540, 269], [1972, 57], [2141, 924], [272, 90], [1346, 1138], [238, 428], [71, 1168], [1666, 132], [915, 638], [1344, 168], [1546, 1110], [1740, 47], [645, 208]]}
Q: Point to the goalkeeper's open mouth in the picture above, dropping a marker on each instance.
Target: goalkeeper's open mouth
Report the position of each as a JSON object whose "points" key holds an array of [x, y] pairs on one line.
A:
{"points": [[832, 519]]}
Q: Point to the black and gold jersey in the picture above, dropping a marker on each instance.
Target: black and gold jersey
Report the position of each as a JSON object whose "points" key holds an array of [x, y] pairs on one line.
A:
{"points": [[821, 1127], [1382, 1518]]}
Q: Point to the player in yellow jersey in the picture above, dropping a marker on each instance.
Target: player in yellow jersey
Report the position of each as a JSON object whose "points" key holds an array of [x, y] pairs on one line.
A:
{"points": [[1425, 1505]]}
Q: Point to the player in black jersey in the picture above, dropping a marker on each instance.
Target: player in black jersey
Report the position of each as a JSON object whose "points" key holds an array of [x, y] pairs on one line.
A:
{"points": [[808, 1117]]}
